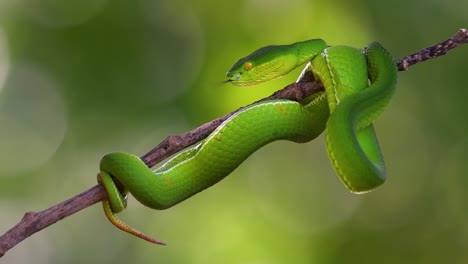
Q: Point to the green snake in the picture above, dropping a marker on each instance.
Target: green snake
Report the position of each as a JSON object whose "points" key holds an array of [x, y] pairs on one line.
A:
{"points": [[358, 86]]}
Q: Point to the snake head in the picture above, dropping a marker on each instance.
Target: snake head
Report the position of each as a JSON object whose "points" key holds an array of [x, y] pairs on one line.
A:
{"points": [[273, 61], [262, 65]]}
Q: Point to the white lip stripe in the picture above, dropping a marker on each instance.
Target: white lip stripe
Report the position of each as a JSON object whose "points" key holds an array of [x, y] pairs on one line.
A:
{"points": [[303, 72], [325, 55]]}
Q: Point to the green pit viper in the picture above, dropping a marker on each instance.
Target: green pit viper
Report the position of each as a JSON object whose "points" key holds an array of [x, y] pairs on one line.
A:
{"points": [[358, 85]]}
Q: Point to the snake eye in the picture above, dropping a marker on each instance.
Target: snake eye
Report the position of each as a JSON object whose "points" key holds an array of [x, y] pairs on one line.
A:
{"points": [[248, 65]]}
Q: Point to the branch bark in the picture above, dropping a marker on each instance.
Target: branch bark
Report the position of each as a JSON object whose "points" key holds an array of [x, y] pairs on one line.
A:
{"points": [[33, 222]]}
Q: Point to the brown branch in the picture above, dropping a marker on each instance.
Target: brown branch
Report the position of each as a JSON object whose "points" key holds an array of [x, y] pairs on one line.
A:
{"points": [[461, 37], [33, 222]]}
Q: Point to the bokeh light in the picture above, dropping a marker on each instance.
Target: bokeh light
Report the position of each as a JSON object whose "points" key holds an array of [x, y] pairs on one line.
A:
{"points": [[4, 59], [172, 72], [314, 204], [60, 14], [33, 118]]}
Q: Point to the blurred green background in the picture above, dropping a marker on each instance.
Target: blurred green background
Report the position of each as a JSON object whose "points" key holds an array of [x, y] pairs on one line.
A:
{"points": [[81, 78]]}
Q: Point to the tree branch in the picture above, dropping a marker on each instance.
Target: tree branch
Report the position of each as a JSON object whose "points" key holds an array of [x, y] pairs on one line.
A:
{"points": [[33, 222], [461, 37]]}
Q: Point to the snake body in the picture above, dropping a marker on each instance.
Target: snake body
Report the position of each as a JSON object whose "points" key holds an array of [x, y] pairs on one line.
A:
{"points": [[358, 86]]}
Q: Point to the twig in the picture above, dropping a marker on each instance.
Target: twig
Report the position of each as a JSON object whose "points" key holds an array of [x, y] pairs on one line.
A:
{"points": [[33, 222], [431, 52]]}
